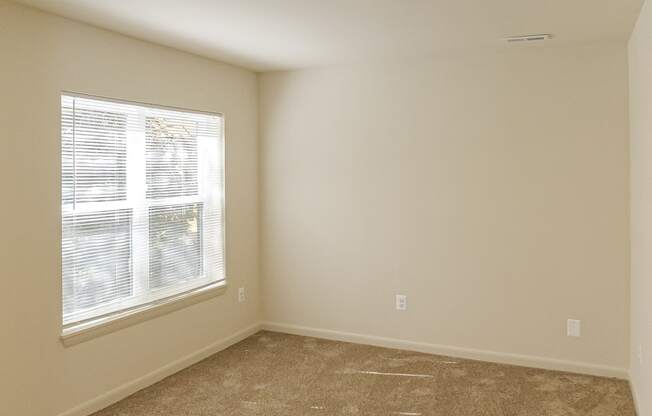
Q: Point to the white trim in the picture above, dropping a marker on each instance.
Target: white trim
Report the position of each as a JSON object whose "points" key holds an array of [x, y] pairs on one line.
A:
{"points": [[632, 387], [122, 391], [86, 330], [138, 103], [452, 351]]}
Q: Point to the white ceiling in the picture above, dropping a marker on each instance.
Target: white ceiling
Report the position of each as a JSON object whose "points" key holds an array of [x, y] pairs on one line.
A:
{"points": [[287, 34]]}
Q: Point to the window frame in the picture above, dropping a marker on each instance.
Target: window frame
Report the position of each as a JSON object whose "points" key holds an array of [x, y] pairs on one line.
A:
{"points": [[86, 329]]}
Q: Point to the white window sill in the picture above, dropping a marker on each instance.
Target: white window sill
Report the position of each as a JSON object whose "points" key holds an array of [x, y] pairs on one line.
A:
{"points": [[78, 333]]}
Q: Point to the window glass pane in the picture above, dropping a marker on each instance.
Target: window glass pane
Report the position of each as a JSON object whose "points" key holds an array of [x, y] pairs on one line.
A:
{"points": [[171, 156], [94, 154], [175, 251], [96, 259]]}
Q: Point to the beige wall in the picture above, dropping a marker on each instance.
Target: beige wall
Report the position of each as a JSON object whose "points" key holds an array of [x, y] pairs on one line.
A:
{"points": [[640, 92], [40, 55], [490, 188]]}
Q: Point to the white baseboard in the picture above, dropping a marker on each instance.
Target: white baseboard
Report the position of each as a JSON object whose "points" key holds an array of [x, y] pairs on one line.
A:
{"points": [[632, 387], [459, 352], [120, 392]]}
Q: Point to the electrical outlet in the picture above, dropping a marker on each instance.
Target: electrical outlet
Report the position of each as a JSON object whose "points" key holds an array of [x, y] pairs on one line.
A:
{"points": [[241, 295], [573, 328], [401, 302], [640, 354]]}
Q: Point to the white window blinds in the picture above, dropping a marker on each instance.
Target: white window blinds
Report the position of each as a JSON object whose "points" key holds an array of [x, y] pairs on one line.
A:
{"points": [[142, 204]]}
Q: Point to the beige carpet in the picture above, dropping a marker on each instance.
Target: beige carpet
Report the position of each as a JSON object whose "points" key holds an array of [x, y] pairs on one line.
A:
{"points": [[278, 374]]}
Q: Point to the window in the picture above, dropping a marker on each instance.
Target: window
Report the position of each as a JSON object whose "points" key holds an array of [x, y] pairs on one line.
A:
{"points": [[142, 205]]}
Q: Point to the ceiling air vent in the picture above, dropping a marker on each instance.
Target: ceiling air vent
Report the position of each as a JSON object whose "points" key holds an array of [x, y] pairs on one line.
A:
{"points": [[527, 38]]}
